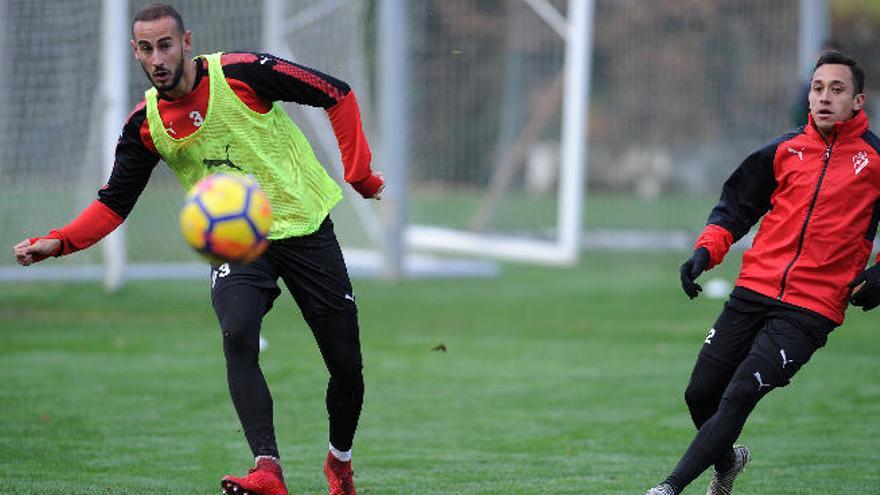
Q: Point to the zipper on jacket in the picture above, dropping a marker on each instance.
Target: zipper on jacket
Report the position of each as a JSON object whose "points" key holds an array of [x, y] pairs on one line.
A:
{"points": [[807, 219]]}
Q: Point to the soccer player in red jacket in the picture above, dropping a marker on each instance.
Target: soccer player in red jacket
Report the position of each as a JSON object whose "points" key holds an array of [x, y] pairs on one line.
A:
{"points": [[816, 192], [308, 260]]}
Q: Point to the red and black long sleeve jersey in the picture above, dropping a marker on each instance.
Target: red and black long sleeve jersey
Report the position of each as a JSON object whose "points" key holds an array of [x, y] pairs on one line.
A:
{"points": [[258, 79], [818, 201]]}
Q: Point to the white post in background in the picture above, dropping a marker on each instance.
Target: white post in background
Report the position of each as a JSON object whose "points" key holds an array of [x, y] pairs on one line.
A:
{"points": [[273, 25], [813, 32], [393, 129], [114, 75], [575, 120]]}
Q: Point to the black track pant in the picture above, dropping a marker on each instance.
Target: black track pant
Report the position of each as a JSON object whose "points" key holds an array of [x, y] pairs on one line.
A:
{"points": [[314, 272], [756, 345]]}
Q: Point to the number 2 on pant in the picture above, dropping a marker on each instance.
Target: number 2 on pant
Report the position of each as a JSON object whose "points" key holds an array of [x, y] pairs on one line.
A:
{"points": [[709, 337]]}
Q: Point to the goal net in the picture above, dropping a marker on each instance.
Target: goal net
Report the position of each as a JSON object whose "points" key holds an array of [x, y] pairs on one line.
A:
{"points": [[679, 92], [51, 149]]}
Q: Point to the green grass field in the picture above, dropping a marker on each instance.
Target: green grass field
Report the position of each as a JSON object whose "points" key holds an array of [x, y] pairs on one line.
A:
{"points": [[554, 382]]}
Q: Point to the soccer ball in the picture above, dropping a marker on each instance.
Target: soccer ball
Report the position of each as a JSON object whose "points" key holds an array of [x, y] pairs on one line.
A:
{"points": [[226, 218]]}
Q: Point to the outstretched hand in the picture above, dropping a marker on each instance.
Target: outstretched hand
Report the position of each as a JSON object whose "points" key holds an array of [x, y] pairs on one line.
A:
{"points": [[378, 194], [691, 269], [27, 253], [867, 289]]}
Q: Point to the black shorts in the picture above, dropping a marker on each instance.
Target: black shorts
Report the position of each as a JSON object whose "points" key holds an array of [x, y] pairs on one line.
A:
{"points": [[782, 335], [311, 266]]}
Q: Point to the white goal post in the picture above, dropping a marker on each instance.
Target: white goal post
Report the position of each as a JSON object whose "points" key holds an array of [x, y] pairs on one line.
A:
{"points": [[564, 248], [115, 98]]}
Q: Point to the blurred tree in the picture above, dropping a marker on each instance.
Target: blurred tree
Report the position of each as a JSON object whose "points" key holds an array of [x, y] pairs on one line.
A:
{"points": [[855, 24]]}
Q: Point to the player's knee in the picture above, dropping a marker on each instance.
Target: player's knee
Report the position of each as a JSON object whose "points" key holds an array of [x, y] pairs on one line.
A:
{"points": [[702, 392], [240, 336], [696, 394], [348, 370], [745, 391]]}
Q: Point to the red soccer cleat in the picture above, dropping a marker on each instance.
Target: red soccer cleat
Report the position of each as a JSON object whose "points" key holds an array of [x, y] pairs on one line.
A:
{"points": [[264, 479], [339, 475]]}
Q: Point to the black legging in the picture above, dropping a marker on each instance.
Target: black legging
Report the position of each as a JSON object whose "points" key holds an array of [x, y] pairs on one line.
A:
{"points": [[720, 397], [720, 417], [338, 340], [337, 336]]}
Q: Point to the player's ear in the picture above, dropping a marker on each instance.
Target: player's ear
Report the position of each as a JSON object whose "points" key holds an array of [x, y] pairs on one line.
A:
{"points": [[134, 50], [187, 42], [859, 102]]}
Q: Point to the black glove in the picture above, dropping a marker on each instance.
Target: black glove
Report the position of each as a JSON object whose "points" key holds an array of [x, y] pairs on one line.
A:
{"points": [[868, 295], [691, 269]]}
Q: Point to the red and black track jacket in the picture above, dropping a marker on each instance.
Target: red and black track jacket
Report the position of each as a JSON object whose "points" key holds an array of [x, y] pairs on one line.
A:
{"points": [[258, 79], [820, 203]]}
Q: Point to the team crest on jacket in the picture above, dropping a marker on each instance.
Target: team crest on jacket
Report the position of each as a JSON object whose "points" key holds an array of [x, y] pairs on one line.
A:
{"points": [[860, 161]]}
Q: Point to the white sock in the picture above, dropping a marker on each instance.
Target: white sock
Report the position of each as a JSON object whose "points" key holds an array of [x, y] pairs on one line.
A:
{"points": [[340, 455], [273, 459]]}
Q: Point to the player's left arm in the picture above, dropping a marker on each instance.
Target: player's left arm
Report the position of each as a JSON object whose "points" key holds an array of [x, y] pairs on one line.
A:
{"points": [[134, 162], [866, 288], [866, 285], [276, 79]]}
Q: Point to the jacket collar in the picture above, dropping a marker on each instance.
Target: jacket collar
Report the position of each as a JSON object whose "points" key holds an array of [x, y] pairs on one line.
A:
{"points": [[846, 130]]}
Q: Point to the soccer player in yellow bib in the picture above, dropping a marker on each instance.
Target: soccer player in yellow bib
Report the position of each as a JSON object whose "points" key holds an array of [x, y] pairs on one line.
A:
{"points": [[218, 113]]}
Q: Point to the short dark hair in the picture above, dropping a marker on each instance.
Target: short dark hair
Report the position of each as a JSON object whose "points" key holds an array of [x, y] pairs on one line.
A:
{"points": [[834, 57], [154, 11]]}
